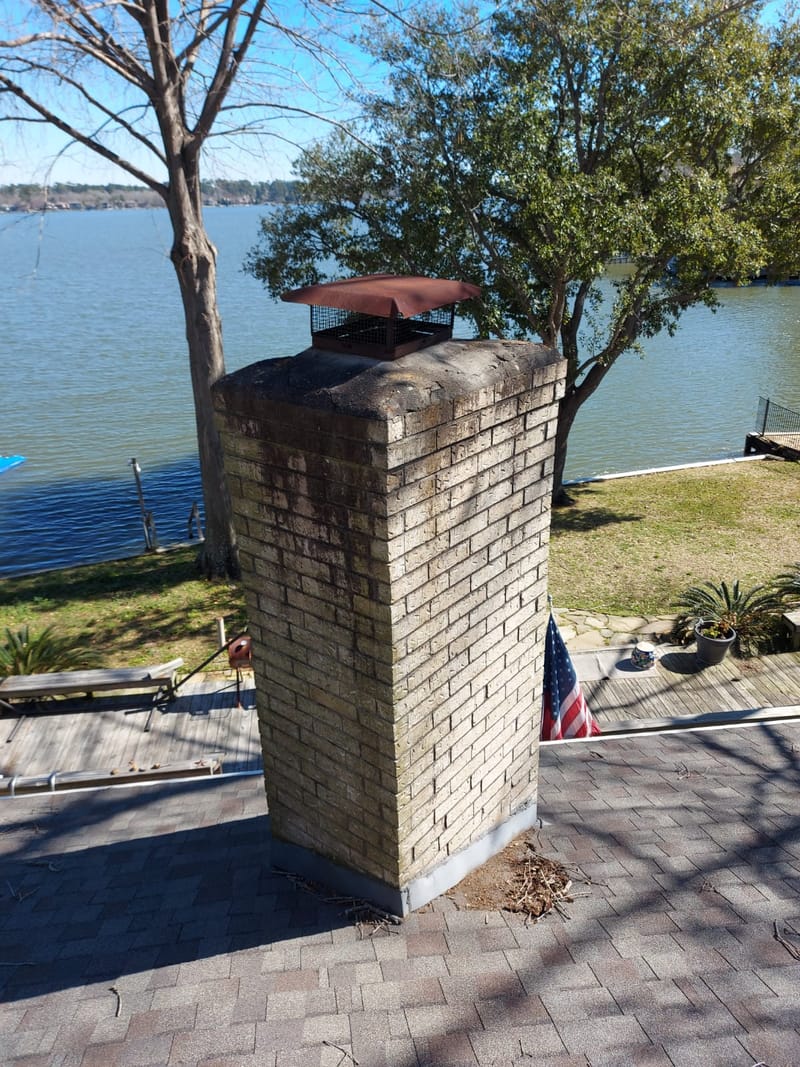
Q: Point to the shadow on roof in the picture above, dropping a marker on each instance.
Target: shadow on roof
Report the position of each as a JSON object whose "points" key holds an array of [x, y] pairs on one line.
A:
{"points": [[78, 909]]}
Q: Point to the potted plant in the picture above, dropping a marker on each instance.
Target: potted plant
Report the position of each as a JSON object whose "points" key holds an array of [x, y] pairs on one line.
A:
{"points": [[721, 616], [713, 641]]}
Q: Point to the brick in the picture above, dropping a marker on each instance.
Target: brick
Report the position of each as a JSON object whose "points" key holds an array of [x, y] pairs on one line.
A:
{"points": [[383, 574], [436, 415]]}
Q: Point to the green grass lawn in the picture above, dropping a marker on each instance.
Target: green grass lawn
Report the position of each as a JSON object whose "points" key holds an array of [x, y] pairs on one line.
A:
{"points": [[627, 546], [138, 611]]}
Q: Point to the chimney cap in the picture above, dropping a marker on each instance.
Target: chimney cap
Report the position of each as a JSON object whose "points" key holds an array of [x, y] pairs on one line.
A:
{"points": [[384, 295]]}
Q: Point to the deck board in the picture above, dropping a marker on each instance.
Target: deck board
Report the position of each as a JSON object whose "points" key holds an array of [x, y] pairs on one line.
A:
{"points": [[679, 689], [96, 734], [77, 734]]}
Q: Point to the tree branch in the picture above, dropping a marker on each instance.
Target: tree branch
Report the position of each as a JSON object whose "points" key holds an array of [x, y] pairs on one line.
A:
{"points": [[230, 59], [112, 115], [82, 138], [98, 44]]}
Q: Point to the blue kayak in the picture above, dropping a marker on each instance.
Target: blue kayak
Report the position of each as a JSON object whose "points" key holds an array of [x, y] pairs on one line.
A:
{"points": [[7, 462]]}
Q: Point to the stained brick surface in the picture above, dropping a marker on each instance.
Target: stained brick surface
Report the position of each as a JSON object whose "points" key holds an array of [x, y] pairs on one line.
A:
{"points": [[394, 524]]}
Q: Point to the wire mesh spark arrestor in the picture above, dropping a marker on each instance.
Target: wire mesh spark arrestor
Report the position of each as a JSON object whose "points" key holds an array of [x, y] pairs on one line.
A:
{"points": [[384, 316]]}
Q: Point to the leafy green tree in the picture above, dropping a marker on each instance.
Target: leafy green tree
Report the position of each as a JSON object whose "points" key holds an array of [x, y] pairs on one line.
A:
{"points": [[524, 152]]}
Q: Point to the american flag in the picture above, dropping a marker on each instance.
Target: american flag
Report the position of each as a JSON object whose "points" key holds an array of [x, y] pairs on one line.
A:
{"points": [[564, 711]]}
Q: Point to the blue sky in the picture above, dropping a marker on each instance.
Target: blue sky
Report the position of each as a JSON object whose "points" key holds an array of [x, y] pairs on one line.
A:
{"points": [[37, 153], [42, 155]]}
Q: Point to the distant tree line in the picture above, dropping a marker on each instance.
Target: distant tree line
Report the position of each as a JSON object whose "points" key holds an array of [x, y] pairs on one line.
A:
{"points": [[78, 196], [240, 192]]}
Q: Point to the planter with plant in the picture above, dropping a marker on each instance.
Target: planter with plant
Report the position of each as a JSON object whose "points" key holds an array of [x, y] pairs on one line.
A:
{"points": [[722, 616], [713, 641]]}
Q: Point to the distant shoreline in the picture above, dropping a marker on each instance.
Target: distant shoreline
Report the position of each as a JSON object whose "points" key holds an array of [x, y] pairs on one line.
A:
{"points": [[63, 196], [14, 210]]}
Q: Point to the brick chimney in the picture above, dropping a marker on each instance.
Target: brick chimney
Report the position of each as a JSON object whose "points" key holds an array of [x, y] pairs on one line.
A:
{"points": [[393, 523]]}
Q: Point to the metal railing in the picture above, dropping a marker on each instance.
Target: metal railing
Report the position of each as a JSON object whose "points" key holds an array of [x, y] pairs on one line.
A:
{"points": [[772, 418]]}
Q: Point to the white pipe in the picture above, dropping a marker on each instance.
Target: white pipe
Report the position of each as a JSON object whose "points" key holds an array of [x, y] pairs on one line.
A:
{"points": [[666, 470]]}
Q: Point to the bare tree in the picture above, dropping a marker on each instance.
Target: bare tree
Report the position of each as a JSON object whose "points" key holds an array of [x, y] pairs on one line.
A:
{"points": [[145, 84]]}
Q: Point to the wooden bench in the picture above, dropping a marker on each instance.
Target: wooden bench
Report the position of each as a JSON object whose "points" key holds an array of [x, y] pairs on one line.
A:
{"points": [[62, 683]]}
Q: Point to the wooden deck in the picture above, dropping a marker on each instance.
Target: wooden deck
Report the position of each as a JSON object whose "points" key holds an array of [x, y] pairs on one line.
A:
{"points": [[107, 734], [678, 689], [786, 445]]}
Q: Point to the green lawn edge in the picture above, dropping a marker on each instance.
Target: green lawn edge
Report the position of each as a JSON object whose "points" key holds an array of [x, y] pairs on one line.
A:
{"points": [[628, 546], [143, 610]]}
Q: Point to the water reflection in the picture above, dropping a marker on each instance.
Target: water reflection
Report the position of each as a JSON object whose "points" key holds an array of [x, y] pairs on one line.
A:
{"points": [[693, 396], [83, 520]]}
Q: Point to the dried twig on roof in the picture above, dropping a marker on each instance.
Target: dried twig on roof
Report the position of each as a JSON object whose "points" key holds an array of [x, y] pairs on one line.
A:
{"points": [[781, 934], [540, 885]]}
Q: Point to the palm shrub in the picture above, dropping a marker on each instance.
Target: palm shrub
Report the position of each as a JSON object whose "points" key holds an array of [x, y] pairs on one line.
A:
{"points": [[787, 586], [24, 653], [720, 609]]}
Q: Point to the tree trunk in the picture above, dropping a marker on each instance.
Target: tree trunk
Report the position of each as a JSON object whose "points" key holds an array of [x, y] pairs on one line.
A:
{"points": [[567, 410], [570, 405], [195, 260]]}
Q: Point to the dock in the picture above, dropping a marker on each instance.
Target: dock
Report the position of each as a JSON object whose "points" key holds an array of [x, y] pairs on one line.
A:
{"points": [[784, 445], [778, 432]]}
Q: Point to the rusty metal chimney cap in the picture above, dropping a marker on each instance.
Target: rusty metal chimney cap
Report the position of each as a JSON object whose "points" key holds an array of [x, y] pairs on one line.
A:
{"points": [[385, 295]]}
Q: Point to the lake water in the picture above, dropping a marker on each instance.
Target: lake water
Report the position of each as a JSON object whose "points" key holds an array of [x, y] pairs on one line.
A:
{"points": [[95, 372]]}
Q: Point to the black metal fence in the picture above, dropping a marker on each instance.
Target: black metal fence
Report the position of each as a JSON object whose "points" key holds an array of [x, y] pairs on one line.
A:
{"points": [[772, 418]]}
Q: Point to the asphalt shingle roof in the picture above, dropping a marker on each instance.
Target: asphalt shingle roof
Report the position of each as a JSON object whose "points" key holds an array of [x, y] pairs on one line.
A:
{"points": [[145, 926]]}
